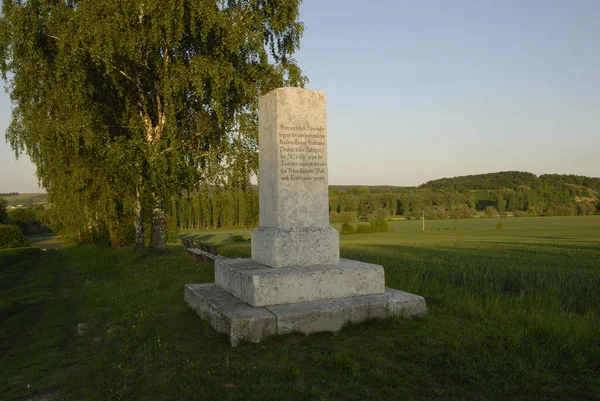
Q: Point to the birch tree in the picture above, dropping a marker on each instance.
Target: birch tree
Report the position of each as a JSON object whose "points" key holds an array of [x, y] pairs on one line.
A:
{"points": [[123, 104]]}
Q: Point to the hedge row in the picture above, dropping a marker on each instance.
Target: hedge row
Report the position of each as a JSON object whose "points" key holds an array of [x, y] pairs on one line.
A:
{"points": [[11, 237], [376, 226]]}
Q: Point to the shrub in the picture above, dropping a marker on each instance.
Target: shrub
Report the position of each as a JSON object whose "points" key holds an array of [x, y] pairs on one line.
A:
{"points": [[364, 229], [379, 226], [347, 229], [379, 214], [333, 217], [347, 217], [499, 226], [237, 238], [11, 237], [491, 211]]}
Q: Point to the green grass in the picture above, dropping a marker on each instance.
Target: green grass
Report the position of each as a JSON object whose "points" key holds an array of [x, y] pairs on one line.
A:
{"points": [[513, 314]]}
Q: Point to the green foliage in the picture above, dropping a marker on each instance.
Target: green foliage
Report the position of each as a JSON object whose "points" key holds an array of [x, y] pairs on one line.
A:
{"points": [[491, 181], [379, 214], [333, 217], [364, 228], [463, 197], [347, 217], [499, 226], [32, 220], [3, 215], [123, 108], [379, 226], [11, 236], [491, 211], [215, 207], [347, 229], [238, 238]]}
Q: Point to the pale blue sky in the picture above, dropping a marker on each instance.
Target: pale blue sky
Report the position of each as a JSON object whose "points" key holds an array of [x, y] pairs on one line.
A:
{"points": [[425, 89]]}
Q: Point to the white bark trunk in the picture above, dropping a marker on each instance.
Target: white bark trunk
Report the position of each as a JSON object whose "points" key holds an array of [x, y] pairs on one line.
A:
{"points": [[158, 233], [138, 222]]}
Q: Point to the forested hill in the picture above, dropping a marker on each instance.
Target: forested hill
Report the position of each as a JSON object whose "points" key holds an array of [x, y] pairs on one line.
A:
{"points": [[512, 180], [505, 193]]}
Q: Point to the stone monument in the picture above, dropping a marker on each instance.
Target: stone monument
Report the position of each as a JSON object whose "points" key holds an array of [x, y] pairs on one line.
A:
{"points": [[295, 280]]}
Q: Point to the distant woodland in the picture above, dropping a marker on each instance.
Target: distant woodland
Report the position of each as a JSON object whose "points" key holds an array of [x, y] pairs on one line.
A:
{"points": [[485, 195], [510, 193]]}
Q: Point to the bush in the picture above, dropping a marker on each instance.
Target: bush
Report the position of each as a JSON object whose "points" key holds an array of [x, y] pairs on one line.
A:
{"points": [[333, 217], [237, 238], [364, 229], [379, 226], [11, 237], [29, 219], [347, 217], [499, 226], [379, 214], [491, 211], [347, 229]]}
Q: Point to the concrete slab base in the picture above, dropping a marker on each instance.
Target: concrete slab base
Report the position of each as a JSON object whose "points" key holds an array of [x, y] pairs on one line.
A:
{"points": [[242, 322], [261, 285]]}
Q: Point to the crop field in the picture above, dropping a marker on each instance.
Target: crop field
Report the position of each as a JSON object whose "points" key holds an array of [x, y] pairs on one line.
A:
{"points": [[513, 313]]}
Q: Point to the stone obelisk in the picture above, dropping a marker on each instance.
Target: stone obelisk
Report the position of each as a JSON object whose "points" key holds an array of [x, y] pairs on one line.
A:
{"points": [[295, 280]]}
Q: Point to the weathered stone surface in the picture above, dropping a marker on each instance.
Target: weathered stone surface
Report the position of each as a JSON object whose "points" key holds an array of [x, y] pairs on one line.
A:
{"points": [[332, 315], [261, 285], [405, 304], [293, 158], [229, 315], [240, 322], [296, 246], [294, 216]]}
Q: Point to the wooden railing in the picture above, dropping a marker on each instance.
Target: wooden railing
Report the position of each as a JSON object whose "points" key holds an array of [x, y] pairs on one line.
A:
{"points": [[200, 249]]}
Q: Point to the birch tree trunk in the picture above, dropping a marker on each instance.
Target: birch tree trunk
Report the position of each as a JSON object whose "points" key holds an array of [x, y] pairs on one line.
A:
{"points": [[158, 232], [138, 222]]}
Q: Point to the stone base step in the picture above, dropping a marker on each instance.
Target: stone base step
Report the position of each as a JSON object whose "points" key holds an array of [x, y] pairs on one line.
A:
{"points": [[242, 322], [261, 285]]}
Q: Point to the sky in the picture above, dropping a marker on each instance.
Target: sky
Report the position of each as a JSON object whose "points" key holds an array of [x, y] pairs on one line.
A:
{"points": [[422, 89]]}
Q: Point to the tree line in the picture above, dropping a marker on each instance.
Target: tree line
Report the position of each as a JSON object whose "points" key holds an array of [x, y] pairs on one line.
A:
{"points": [[519, 193], [460, 197], [502, 193]]}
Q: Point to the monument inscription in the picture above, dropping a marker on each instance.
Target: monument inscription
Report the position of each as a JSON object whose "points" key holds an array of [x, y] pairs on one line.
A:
{"points": [[302, 153]]}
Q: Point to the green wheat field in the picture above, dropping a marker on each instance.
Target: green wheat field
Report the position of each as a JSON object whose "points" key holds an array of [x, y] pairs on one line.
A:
{"points": [[513, 314]]}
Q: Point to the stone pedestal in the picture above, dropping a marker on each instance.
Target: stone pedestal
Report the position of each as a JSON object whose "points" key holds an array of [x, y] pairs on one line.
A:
{"points": [[244, 323], [295, 280], [261, 285], [296, 246]]}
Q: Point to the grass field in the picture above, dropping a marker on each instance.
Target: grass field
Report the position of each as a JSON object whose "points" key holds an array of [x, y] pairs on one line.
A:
{"points": [[514, 313]]}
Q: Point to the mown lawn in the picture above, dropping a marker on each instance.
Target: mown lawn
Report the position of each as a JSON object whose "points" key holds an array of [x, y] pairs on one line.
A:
{"points": [[514, 313]]}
